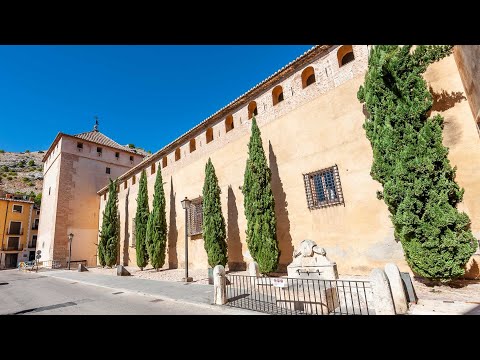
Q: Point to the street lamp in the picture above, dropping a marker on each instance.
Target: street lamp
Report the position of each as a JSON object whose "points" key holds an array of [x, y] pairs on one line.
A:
{"points": [[185, 205], [70, 238]]}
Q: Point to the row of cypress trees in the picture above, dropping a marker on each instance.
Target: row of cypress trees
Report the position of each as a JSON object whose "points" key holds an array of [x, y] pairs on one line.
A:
{"points": [[151, 227]]}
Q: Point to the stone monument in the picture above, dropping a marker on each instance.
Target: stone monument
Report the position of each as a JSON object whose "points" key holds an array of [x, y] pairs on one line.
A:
{"points": [[310, 262]]}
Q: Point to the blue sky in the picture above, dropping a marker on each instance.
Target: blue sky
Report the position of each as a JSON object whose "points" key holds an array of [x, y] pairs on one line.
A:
{"points": [[145, 95]]}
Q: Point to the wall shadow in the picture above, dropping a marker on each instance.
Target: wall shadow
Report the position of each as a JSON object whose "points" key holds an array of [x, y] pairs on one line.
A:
{"points": [[126, 237], [235, 256], [283, 223], [172, 231], [443, 100]]}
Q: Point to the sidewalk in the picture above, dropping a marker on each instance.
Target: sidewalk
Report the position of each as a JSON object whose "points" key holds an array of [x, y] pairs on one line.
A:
{"points": [[196, 294]]}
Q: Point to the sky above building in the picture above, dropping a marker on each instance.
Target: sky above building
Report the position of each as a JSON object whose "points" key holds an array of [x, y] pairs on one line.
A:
{"points": [[145, 95]]}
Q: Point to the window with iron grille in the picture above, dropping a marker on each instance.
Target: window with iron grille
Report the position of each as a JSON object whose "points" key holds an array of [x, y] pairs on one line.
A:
{"points": [[195, 216], [323, 188]]}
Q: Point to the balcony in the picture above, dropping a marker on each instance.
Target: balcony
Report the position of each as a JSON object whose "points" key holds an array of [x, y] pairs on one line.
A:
{"points": [[14, 232]]}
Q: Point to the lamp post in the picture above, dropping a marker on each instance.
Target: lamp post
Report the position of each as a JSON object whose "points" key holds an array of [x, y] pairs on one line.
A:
{"points": [[70, 238], [185, 205]]}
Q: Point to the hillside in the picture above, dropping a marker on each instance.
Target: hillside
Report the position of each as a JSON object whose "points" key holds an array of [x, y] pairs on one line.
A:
{"points": [[21, 172]]}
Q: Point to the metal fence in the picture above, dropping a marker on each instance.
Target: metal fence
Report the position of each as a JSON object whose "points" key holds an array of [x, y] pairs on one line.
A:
{"points": [[292, 296]]}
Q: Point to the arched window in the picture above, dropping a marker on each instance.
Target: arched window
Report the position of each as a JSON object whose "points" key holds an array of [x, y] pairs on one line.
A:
{"points": [[152, 169], [229, 123], [345, 55], [252, 109], [308, 77], [193, 145], [277, 94], [164, 162], [178, 155], [209, 135], [133, 180]]}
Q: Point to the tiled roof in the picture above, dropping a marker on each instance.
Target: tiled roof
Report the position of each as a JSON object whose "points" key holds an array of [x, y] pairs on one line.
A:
{"points": [[98, 138]]}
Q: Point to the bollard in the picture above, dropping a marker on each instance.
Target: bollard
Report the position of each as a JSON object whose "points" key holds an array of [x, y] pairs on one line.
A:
{"points": [[396, 286], [219, 286], [382, 295], [253, 269]]}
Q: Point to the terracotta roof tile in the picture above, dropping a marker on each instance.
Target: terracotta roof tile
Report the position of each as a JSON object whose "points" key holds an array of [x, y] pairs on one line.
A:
{"points": [[101, 139]]}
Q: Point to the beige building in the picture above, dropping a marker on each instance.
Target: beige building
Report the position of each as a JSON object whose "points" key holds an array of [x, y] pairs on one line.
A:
{"points": [[75, 167], [311, 125]]}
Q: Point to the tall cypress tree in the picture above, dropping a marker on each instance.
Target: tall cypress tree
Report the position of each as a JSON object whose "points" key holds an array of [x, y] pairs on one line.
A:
{"points": [[156, 237], [260, 206], [109, 235], [141, 220], [411, 163], [214, 232]]}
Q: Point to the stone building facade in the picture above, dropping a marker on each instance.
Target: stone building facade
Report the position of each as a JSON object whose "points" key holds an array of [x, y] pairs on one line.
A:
{"points": [[75, 167]]}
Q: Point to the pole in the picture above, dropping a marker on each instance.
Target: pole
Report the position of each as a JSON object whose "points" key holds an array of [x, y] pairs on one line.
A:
{"points": [[186, 245], [70, 254]]}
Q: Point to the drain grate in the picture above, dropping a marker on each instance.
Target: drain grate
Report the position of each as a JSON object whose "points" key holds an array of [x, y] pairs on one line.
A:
{"points": [[4, 283], [156, 300], [116, 293]]}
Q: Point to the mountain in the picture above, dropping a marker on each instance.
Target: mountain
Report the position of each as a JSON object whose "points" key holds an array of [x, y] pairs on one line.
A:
{"points": [[21, 172]]}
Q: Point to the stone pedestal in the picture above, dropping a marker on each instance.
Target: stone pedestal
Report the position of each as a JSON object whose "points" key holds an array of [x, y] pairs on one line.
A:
{"points": [[310, 262]]}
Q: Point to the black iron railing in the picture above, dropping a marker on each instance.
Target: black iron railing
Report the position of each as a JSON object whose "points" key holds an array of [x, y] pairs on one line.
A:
{"points": [[292, 296]]}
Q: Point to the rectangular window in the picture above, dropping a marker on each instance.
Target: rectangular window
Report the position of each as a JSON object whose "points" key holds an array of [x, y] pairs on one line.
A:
{"points": [[34, 242], [35, 224], [124, 185], [79, 146], [107, 170], [17, 208], [99, 151], [13, 243], [131, 158], [323, 188], [38, 212], [195, 216], [117, 155], [15, 228], [133, 243], [152, 169]]}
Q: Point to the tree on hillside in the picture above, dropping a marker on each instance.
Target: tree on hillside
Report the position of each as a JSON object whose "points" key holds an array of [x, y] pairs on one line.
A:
{"points": [[109, 234], [156, 237], [141, 220], [214, 232], [410, 161], [260, 206]]}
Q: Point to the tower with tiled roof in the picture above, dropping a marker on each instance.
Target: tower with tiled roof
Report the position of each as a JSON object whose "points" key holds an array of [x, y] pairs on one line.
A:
{"points": [[75, 168]]}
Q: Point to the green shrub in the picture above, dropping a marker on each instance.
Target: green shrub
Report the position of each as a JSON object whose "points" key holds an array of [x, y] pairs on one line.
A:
{"points": [[2, 151], [26, 179], [9, 178], [131, 146], [410, 161], [27, 151], [31, 163], [5, 168]]}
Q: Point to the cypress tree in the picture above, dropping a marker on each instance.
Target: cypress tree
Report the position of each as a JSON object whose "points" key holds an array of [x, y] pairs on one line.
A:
{"points": [[141, 219], [109, 234], [214, 232], [411, 163], [260, 206], [156, 237]]}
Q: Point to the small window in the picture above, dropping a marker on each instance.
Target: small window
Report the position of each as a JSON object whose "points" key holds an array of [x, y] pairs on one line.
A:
{"points": [[308, 77], [164, 162], [117, 155], [49, 190], [79, 146], [195, 216], [131, 158], [105, 196], [38, 212], [35, 224], [18, 208], [178, 155], [209, 135], [345, 55], [133, 180], [193, 145], [323, 188], [124, 185], [107, 170], [229, 125], [152, 169], [277, 95], [99, 151], [252, 109]]}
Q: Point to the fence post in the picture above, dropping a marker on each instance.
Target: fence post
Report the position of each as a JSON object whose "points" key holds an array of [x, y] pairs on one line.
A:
{"points": [[382, 295], [219, 285], [253, 269], [396, 285]]}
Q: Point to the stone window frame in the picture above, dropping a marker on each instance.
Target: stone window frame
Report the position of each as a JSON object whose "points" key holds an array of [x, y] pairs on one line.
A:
{"points": [[18, 206], [323, 188]]}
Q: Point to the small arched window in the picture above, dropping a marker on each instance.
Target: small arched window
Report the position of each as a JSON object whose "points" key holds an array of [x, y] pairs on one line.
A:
{"points": [[133, 180], [209, 135], [178, 154], [152, 169], [252, 109], [308, 77], [277, 94], [193, 145], [345, 55], [164, 162], [229, 123]]}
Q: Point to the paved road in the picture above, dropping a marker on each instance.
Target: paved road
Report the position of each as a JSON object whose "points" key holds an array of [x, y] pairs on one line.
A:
{"points": [[30, 293]]}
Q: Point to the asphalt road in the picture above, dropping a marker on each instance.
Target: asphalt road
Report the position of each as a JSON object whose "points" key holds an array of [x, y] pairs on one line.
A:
{"points": [[35, 294]]}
